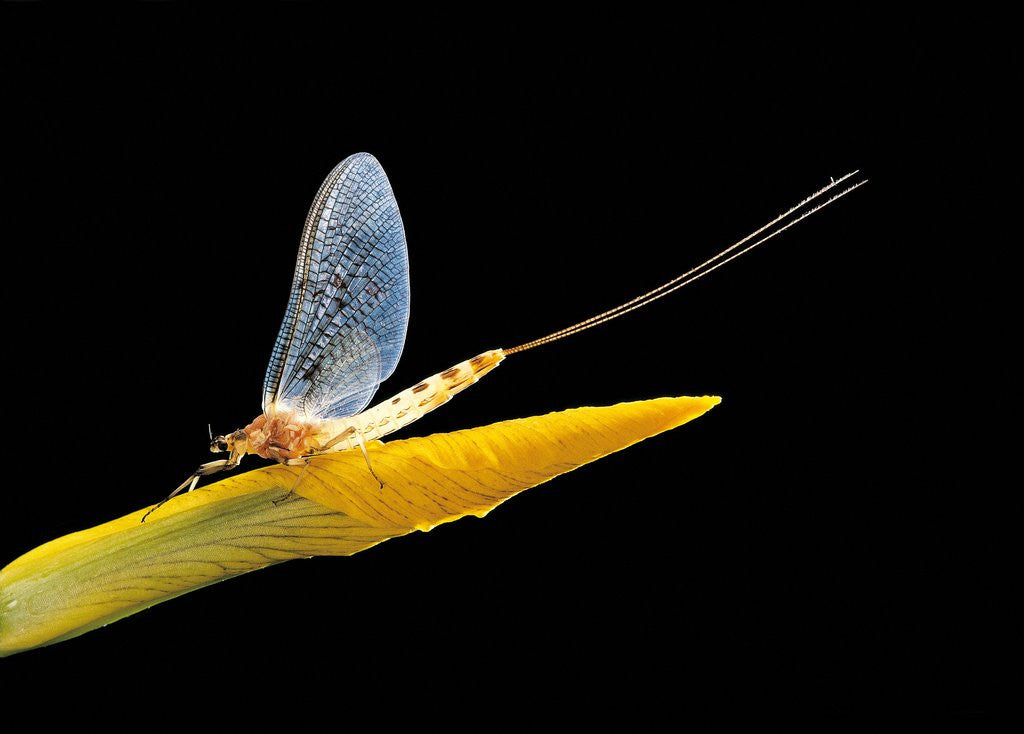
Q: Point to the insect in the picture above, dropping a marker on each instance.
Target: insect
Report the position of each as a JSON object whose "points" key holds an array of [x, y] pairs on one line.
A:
{"points": [[345, 324]]}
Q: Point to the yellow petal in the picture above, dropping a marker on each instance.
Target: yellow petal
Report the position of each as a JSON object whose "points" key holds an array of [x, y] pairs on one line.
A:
{"points": [[447, 476], [87, 579]]}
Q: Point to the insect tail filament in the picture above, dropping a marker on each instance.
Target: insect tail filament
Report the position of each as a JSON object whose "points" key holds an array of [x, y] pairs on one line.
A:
{"points": [[703, 269]]}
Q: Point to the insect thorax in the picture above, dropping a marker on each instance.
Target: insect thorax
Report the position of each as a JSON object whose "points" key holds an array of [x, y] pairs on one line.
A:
{"points": [[281, 434]]}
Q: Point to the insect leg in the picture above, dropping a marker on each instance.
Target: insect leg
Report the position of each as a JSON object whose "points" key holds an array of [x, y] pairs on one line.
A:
{"points": [[362, 447], [304, 463], [211, 467], [347, 435]]}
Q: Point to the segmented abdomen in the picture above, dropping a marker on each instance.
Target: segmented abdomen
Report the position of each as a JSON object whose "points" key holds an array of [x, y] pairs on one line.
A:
{"points": [[408, 405]]}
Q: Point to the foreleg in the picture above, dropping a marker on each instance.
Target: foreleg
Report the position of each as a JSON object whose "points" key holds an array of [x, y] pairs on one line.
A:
{"points": [[211, 467]]}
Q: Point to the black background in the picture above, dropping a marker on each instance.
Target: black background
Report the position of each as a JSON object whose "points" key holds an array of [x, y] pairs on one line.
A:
{"points": [[822, 541]]}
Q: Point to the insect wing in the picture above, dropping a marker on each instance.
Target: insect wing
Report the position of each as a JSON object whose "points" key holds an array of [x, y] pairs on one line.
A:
{"points": [[343, 383], [346, 320]]}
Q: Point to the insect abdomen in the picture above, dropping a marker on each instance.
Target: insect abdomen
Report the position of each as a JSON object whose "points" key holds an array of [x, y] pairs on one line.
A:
{"points": [[413, 403]]}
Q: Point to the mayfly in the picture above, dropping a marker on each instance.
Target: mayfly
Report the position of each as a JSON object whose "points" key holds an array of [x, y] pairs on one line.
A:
{"points": [[346, 319]]}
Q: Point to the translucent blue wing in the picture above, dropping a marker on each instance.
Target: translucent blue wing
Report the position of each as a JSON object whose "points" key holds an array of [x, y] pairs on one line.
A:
{"points": [[345, 324]]}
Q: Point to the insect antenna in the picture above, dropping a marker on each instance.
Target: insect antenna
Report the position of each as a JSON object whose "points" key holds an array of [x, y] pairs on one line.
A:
{"points": [[769, 230]]}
